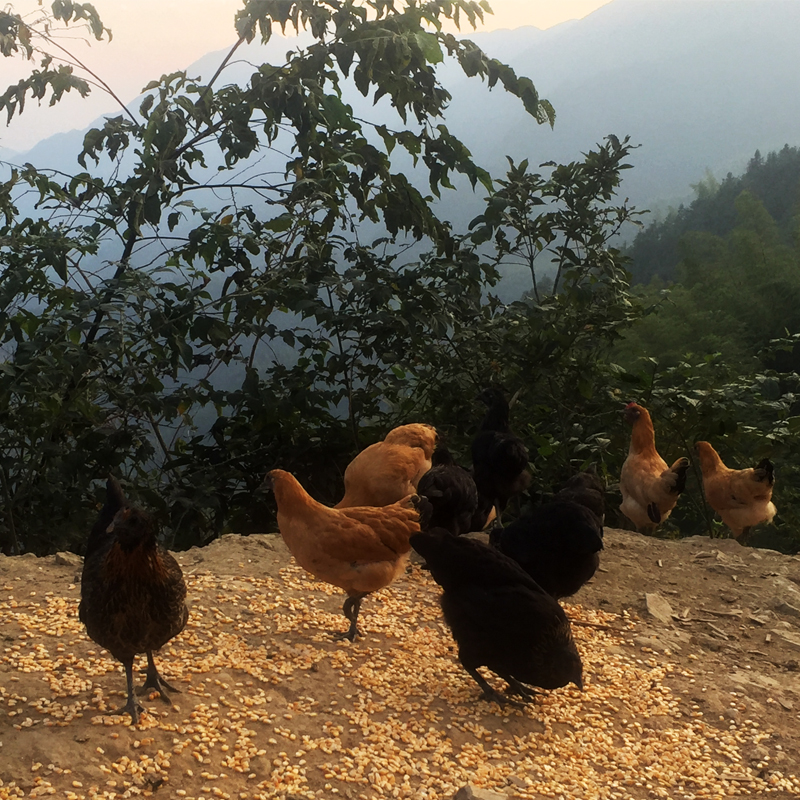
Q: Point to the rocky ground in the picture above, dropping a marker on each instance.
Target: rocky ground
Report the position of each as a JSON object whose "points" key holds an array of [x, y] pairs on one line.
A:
{"points": [[691, 652]]}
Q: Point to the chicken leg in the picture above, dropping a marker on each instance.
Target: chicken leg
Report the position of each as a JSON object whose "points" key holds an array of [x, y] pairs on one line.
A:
{"points": [[352, 605], [488, 692], [132, 706]]}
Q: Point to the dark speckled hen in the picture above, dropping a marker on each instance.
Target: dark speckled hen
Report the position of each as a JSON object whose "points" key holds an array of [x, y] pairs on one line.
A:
{"points": [[132, 591]]}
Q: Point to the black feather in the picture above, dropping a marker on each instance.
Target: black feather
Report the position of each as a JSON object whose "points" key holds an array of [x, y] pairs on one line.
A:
{"points": [[451, 492], [557, 544], [586, 489], [681, 470], [765, 471], [500, 617], [499, 458]]}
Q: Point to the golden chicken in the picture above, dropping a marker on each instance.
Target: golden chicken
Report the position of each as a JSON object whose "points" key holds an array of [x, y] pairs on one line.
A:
{"points": [[388, 471], [359, 549], [650, 489], [742, 497]]}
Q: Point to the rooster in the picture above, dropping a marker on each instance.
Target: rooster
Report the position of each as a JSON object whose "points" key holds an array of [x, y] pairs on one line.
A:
{"points": [[132, 591], [742, 497], [388, 471], [360, 549], [650, 489]]}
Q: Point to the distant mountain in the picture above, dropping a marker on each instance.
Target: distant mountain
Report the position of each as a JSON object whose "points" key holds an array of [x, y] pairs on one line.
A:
{"points": [[700, 84]]}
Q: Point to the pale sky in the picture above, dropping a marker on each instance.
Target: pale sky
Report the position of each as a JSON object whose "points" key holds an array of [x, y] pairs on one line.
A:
{"points": [[152, 37]]}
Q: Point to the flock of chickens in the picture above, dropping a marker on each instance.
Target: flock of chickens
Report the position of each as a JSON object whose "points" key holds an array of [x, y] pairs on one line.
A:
{"points": [[500, 600]]}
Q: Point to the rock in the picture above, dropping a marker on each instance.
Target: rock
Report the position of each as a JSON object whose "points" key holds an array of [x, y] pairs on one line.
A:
{"points": [[707, 642], [68, 559], [652, 642], [786, 609], [758, 754], [792, 639], [658, 607], [786, 590], [470, 792]]}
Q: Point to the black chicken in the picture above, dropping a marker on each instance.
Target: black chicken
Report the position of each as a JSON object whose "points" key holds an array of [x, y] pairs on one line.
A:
{"points": [[452, 493], [132, 591], [500, 617], [499, 458], [588, 490], [558, 544]]}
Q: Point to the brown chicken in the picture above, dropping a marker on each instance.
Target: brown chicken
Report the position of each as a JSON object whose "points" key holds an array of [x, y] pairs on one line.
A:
{"points": [[132, 591], [650, 489], [742, 497], [388, 471], [360, 549]]}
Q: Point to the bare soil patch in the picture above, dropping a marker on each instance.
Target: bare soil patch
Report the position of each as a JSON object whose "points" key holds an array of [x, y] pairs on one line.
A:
{"points": [[691, 652]]}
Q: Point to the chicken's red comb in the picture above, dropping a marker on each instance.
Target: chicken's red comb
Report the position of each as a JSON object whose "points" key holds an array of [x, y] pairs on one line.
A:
{"points": [[632, 403]]}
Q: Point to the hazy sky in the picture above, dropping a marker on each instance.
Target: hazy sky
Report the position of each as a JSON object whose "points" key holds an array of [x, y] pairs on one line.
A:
{"points": [[152, 37]]}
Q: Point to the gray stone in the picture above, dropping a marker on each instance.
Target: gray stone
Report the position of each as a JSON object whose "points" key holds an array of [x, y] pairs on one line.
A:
{"points": [[658, 607]]}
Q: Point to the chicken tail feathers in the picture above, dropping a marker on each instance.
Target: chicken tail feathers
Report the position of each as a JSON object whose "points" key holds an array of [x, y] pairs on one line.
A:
{"points": [[765, 472], [424, 508], [680, 468]]}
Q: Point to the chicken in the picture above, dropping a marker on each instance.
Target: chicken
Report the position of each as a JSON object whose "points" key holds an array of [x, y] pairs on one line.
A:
{"points": [[452, 493], [132, 591], [500, 617], [742, 497], [360, 549], [650, 489], [558, 544], [499, 458], [588, 490], [388, 471]]}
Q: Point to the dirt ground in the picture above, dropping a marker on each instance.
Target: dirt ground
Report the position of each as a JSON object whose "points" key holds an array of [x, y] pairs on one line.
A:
{"points": [[691, 652]]}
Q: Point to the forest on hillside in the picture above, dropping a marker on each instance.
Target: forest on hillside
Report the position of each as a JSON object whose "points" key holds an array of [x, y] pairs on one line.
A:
{"points": [[173, 315]]}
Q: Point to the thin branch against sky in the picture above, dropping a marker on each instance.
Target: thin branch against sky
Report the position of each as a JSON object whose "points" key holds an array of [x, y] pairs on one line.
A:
{"points": [[154, 37]]}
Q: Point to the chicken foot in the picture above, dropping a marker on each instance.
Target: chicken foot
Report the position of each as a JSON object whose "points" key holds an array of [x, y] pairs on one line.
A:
{"points": [[154, 681], [515, 687], [492, 694], [351, 607]]}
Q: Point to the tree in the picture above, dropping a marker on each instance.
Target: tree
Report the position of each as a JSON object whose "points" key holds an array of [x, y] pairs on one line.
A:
{"points": [[148, 330]]}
